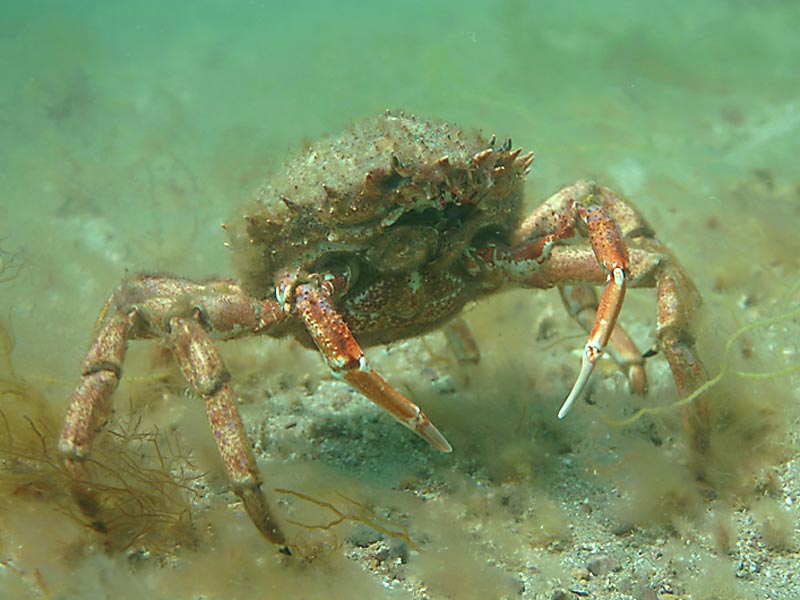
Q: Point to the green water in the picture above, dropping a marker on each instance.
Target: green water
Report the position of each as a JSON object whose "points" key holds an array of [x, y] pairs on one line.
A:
{"points": [[129, 131]]}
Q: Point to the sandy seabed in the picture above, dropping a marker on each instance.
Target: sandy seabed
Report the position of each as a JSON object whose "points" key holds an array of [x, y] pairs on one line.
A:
{"points": [[131, 132]]}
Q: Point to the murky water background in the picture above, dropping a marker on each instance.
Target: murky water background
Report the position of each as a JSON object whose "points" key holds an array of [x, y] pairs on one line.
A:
{"points": [[130, 132]]}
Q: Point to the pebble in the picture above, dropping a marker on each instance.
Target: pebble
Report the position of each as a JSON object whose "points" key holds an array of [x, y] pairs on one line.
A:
{"points": [[600, 564]]}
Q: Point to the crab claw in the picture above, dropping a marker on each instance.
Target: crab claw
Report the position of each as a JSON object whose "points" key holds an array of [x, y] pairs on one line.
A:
{"points": [[587, 366], [607, 313], [346, 360], [377, 389]]}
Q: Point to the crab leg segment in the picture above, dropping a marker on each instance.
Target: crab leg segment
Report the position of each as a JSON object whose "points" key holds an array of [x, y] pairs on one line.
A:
{"points": [[186, 315], [536, 242], [346, 360], [202, 366], [581, 303], [100, 376], [610, 251]]}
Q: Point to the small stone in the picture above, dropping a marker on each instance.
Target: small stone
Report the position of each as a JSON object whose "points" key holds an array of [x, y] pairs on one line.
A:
{"points": [[363, 536], [648, 594], [601, 564], [398, 549]]}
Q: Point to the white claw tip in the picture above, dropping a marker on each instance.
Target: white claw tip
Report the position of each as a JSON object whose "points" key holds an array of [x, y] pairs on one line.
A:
{"points": [[567, 405], [430, 434], [587, 366]]}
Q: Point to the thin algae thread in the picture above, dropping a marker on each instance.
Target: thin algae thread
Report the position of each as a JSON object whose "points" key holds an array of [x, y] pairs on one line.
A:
{"points": [[765, 322]]}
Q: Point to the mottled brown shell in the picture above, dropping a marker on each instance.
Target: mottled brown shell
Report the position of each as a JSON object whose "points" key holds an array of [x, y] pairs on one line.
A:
{"points": [[393, 192]]}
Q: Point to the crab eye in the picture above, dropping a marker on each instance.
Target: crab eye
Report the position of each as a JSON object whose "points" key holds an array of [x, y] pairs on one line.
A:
{"points": [[337, 263], [403, 248], [487, 236]]}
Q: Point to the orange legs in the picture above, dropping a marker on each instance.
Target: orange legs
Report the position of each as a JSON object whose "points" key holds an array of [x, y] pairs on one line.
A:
{"points": [[624, 252], [185, 314], [556, 221], [612, 253], [346, 360], [581, 304]]}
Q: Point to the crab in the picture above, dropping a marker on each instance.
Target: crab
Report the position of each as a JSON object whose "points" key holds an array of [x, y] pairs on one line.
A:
{"points": [[384, 233]]}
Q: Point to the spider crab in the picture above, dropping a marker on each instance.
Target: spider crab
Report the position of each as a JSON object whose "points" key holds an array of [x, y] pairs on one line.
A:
{"points": [[380, 234]]}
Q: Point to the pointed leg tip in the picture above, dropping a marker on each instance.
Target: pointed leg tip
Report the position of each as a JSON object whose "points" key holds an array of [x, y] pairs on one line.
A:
{"points": [[430, 434], [587, 366], [567, 404], [637, 379]]}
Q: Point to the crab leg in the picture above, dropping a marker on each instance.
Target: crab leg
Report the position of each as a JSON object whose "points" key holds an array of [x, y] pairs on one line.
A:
{"points": [[461, 341], [186, 314], [612, 253], [554, 221], [346, 360], [202, 366], [581, 303], [100, 375], [676, 300], [640, 261]]}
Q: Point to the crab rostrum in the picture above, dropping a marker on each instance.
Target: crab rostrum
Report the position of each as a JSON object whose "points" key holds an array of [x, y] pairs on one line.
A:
{"points": [[383, 233]]}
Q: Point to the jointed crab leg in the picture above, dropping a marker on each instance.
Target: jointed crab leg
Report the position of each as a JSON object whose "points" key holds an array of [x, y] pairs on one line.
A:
{"points": [[607, 313], [185, 314], [647, 263], [202, 366], [100, 375], [346, 360], [581, 303], [612, 253], [554, 221]]}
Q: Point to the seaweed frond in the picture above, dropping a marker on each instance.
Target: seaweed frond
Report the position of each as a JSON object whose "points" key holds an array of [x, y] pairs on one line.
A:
{"points": [[788, 315], [359, 513], [139, 491]]}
